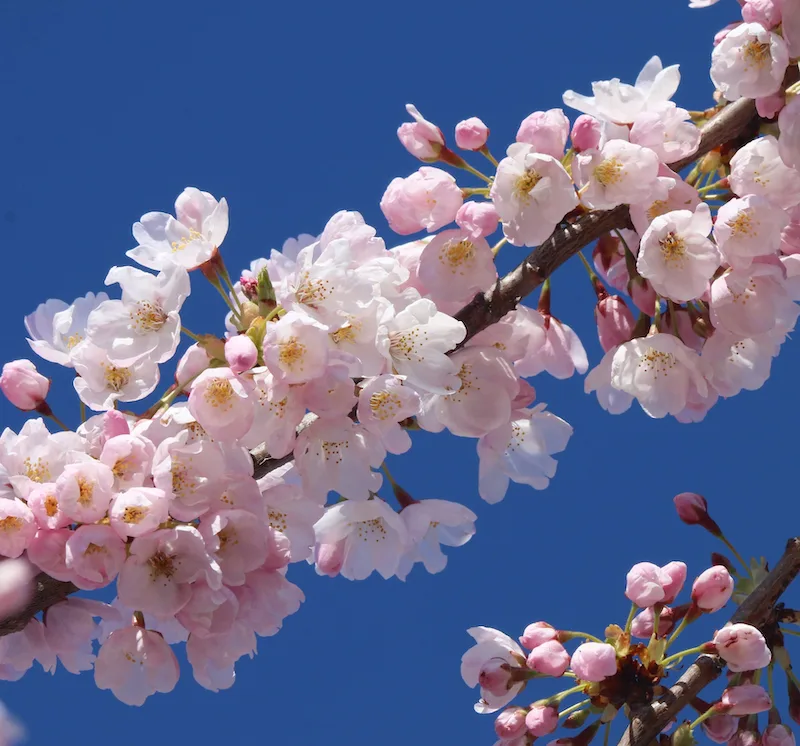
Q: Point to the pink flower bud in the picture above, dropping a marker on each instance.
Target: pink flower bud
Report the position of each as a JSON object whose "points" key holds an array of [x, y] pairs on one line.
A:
{"points": [[720, 728], [676, 571], [642, 295], [23, 386], [712, 589], [614, 320], [471, 134], [768, 107], [429, 198], [765, 12], [645, 584], [642, 626], [510, 723], [550, 658], [479, 219], [541, 720], [747, 699], [192, 363], [537, 634], [241, 353], [547, 131], [594, 661], [745, 738], [693, 510], [421, 138], [330, 558], [586, 133], [114, 423], [777, 735], [742, 647]]}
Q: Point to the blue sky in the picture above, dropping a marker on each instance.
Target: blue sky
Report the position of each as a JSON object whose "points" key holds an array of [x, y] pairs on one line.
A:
{"points": [[290, 111]]}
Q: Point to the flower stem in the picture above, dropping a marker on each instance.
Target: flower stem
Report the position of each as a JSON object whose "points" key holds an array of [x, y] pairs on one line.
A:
{"points": [[572, 708], [680, 629], [631, 615], [484, 151], [475, 172], [787, 631], [499, 245], [738, 556], [58, 422], [556, 698], [683, 654], [705, 716], [190, 334], [569, 635]]}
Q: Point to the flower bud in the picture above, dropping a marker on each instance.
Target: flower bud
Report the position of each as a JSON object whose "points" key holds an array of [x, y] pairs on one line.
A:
{"points": [[421, 138], [642, 295], [114, 423], [676, 572], [547, 131], [537, 634], [693, 510], [549, 658], [614, 321], [495, 677], [510, 723], [721, 559], [765, 12], [742, 647], [471, 134], [645, 584], [777, 735], [586, 133], [712, 589], [720, 728], [479, 219], [329, 558], [192, 363], [747, 699], [541, 720], [642, 626], [23, 385], [576, 719], [745, 738], [240, 353], [594, 661]]}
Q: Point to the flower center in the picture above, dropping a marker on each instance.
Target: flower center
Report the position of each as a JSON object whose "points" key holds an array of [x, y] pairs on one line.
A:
{"points": [[227, 537], [10, 523], [659, 363], [219, 393], [73, 340], [524, 184], [384, 405], [37, 470], [659, 207], [457, 253], [277, 520], [372, 530], [50, 505], [673, 249], [161, 565], [147, 317], [186, 240], [116, 378], [333, 450], [292, 353], [742, 225], [405, 344], [93, 549], [312, 292], [134, 514], [182, 482], [609, 172], [85, 491], [757, 53]]}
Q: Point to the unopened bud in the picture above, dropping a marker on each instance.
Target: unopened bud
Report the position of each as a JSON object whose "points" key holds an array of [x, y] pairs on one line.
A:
{"points": [[266, 293], [720, 559], [23, 385], [250, 312], [693, 510], [576, 719]]}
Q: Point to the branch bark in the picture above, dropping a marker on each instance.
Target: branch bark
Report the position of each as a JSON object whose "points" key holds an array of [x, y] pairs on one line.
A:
{"points": [[758, 609], [486, 308]]}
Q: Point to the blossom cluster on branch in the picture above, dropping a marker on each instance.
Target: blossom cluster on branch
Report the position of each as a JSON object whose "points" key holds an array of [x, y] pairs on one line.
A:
{"points": [[629, 668], [268, 448]]}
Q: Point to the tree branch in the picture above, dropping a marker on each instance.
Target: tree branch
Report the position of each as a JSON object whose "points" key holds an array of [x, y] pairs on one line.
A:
{"points": [[484, 310], [758, 609]]}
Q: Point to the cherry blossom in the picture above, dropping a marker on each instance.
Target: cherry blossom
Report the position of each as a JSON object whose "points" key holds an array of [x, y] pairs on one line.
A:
{"points": [[421, 138], [483, 664], [747, 228], [428, 199], [222, 403], [758, 169], [23, 385], [546, 131]]}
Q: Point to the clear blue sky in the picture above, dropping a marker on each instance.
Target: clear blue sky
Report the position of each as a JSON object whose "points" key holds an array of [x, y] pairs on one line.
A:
{"points": [[289, 110]]}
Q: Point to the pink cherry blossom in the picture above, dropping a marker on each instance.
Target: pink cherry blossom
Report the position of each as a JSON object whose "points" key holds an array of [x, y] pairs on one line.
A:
{"points": [[130, 458], [745, 699], [70, 630], [546, 131], [135, 663], [676, 256], [23, 385], [594, 661], [138, 511], [658, 371], [615, 322], [734, 363], [789, 141], [279, 408], [47, 551], [541, 720], [712, 589], [668, 132], [94, 554], [510, 723], [17, 527], [644, 623], [765, 12], [645, 584], [757, 168], [421, 138], [429, 199], [749, 62], [559, 352], [296, 348], [484, 664], [383, 402], [161, 567], [471, 134], [222, 403], [598, 381], [478, 219], [748, 227], [619, 173], [521, 451], [742, 647], [676, 572], [550, 658], [720, 728], [456, 265], [84, 490], [531, 192], [586, 133], [237, 541]]}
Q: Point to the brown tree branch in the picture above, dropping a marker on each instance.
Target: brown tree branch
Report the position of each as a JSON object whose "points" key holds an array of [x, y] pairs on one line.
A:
{"points": [[758, 609], [486, 308]]}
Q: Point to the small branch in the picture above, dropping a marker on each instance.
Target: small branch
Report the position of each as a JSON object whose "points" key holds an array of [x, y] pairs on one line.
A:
{"points": [[758, 609]]}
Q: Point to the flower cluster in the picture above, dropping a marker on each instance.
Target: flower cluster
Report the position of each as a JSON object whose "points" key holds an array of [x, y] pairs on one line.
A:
{"points": [[631, 665]]}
